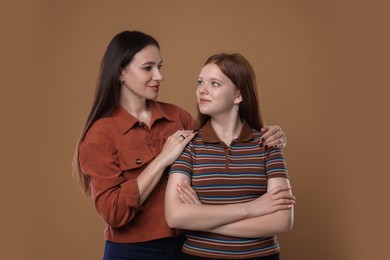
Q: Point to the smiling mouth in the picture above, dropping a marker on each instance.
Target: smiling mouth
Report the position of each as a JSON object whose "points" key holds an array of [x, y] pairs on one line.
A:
{"points": [[203, 101], [155, 87]]}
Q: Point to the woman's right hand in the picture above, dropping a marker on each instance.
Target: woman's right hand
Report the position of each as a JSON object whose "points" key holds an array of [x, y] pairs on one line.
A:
{"points": [[278, 198], [175, 145], [187, 193]]}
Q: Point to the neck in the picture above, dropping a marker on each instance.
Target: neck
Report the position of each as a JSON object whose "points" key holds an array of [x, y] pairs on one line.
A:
{"points": [[227, 130], [137, 107]]}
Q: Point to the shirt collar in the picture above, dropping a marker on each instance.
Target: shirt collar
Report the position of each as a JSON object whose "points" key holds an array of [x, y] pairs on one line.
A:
{"points": [[209, 135], [125, 121]]}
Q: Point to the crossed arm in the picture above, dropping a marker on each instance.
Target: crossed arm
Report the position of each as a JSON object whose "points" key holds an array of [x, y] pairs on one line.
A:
{"points": [[278, 222], [267, 215]]}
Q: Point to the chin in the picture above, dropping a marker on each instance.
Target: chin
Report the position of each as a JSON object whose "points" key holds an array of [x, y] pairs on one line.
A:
{"points": [[203, 111], [153, 97]]}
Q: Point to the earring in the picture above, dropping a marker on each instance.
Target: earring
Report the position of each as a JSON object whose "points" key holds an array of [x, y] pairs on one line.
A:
{"points": [[236, 106]]}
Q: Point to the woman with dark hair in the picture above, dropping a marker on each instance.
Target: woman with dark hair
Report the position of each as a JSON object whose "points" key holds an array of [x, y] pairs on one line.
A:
{"points": [[233, 194], [128, 142]]}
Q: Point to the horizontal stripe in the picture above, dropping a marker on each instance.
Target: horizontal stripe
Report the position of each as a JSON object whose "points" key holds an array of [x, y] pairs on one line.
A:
{"points": [[225, 175], [231, 252]]}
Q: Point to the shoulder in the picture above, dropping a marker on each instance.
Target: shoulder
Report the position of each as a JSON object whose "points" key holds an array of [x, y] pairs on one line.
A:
{"points": [[177, 113], [169, 108], [256, 135], [101, 132], [105, 124]]}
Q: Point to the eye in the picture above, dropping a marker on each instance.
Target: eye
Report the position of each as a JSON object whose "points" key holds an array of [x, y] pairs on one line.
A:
{"points": [[160, 66], [148, 68], [200, 82], [216, 84]]}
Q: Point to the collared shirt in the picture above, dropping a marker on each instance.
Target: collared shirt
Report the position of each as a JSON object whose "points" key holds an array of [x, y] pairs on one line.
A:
{"points": [[225, 174], [116, 149]]}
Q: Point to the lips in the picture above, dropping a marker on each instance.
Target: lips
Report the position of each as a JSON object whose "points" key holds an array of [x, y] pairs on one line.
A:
{"points": [[155, 87], [203, 101]]}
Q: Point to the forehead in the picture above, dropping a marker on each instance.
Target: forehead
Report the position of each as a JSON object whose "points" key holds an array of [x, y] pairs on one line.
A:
{"points": [[149, 54], [211, 70]]}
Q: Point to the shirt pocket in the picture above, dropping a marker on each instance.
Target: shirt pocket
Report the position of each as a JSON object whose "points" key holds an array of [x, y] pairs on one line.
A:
{"points": [[134, 158]]}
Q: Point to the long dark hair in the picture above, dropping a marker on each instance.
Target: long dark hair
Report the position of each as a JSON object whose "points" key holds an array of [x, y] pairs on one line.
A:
{"points": [[118, 55], [241, 73]]}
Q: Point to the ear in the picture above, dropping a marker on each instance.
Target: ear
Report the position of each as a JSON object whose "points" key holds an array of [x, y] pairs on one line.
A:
{"points": [[123, 72], [238, 98]]}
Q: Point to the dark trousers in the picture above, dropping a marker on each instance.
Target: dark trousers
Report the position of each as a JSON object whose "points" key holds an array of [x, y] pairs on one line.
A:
{"points": [[159, 249], [193, 257]]}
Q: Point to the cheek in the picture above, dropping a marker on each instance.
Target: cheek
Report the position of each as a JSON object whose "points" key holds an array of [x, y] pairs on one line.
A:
{"points": [[222, 96], [230, 96], [226, 100], [197, 92], [138, 76]]}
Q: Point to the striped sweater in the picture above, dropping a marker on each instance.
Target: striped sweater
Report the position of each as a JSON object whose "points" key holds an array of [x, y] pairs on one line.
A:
{"points": [[222, 174]]}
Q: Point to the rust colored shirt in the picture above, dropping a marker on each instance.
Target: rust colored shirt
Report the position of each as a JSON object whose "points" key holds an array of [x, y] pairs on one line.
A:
{"points": [[114, 152]]}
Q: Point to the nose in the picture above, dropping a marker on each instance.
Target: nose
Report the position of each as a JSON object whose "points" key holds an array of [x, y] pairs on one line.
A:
{"points": [[203, 89], [157, 76]]}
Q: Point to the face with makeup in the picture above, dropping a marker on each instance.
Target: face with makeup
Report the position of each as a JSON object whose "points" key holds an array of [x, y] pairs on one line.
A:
{"points": [[216, 93], [142, 77]]}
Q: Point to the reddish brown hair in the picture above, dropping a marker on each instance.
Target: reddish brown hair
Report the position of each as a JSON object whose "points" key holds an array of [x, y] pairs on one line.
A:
{"points": [[241, 73]]}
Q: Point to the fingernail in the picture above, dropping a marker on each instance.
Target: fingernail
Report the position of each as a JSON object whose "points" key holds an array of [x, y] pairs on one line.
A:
{"points": [[262, 139], [261, 145], [266, 146]]}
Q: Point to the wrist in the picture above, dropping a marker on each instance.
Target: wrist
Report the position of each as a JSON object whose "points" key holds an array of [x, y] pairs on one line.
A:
{"points": [[161, 162], [247, 210]]}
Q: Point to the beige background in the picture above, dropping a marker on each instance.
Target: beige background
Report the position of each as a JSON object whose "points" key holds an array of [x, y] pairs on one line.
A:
{"points": [[323, 70]]}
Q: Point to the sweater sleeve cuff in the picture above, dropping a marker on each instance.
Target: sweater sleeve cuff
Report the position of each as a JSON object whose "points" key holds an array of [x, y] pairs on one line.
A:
{"points": [[131, 193]]}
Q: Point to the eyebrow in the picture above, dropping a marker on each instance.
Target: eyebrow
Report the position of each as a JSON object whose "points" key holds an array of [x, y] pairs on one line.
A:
{"points": [[216, 79], [151, 63]]}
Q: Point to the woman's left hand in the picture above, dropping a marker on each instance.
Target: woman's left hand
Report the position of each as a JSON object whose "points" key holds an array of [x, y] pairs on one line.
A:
{"points": [[273, 136], [187, 193]]}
